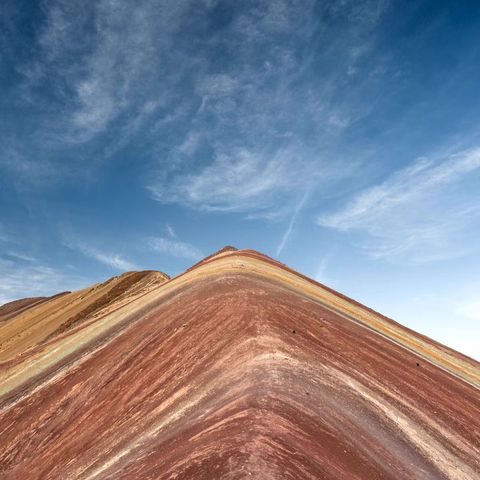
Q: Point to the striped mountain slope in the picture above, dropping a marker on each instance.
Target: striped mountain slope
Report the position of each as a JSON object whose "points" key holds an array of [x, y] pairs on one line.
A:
{"points": [[238, 368]]}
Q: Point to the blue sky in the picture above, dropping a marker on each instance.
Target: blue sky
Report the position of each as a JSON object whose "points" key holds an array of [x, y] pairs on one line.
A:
{"points": [[340, 137]]}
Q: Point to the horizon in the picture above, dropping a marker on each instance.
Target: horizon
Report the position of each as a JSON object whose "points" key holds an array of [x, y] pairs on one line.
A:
{"points": [[339, 138]]}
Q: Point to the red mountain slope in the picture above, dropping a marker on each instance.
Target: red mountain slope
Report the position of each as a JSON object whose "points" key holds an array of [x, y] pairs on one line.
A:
{"points": [[239, 368]]}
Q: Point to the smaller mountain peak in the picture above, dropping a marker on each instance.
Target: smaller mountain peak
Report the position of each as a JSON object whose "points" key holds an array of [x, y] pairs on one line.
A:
{"points": [[222, 251], [226, 248]]}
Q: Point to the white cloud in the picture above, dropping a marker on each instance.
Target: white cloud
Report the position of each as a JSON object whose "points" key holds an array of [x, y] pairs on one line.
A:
{"points": [[20, 281], [170, 231], [112, 260], [20, 256], [251, 116], [119, 71], [418, 211], [217, 85], [232, 182], [26, 167], [243, 180], [190, 144], [322, 268], [117, 49], [291, 223], [175, 248]]}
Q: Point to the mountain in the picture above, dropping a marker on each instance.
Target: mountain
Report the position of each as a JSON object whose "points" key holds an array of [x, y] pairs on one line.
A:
{"points": [[238, 368]]}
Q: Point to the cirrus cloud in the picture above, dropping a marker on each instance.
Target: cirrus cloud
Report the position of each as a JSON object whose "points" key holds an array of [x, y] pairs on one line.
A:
{"points": [[418, 211], [176, 248]]}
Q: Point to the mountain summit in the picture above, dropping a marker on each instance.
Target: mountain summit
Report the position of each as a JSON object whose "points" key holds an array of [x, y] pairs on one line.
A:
{"points": [[238, 368]]}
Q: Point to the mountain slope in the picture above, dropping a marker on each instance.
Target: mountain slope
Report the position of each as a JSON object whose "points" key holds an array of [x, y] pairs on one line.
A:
{"points": [[239, 368], [36, 320]]}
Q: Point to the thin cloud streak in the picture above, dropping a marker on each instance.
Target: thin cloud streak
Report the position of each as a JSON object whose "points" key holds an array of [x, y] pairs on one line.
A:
{"points": [[418, 211], [175, 248], [21, 256], [170, 231], [322, 268], [112, 260], [21, 281], [236, 182], [291, 224]]}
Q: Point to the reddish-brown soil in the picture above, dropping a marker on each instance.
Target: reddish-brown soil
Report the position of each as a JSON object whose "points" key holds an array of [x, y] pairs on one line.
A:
{"points": [[233, 371]]}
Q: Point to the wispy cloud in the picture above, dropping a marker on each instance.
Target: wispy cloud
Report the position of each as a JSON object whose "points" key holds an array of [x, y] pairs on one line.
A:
{"points": [[28, 280], [112, 260], [114, 62], [176, 248], [12, 250], [23, 167], [291, 223], [115, 72], [24, 273], [20, 256], [170, 231], [236, 181], [322, 268], [243, 142], [418, 211]]}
